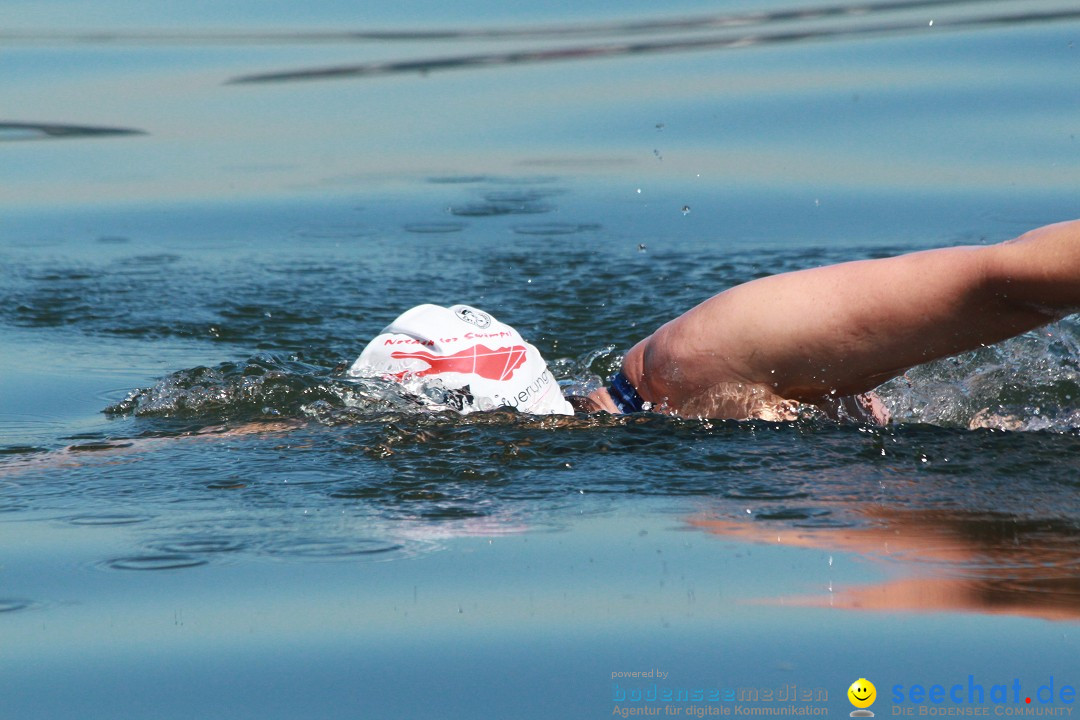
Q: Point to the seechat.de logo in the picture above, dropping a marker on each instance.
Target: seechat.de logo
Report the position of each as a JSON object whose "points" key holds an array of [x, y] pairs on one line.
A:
{"points": [[862, 695]]}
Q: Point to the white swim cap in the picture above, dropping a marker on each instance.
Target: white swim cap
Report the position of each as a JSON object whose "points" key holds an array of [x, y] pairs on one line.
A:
{"points": [[463, 359]]}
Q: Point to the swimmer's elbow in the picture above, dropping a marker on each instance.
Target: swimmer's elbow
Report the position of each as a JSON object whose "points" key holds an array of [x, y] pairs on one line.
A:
{"points": [[656, 366]]}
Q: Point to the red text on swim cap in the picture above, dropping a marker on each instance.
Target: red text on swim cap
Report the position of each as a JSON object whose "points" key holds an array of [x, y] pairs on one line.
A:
{"points": [[476, 360]]}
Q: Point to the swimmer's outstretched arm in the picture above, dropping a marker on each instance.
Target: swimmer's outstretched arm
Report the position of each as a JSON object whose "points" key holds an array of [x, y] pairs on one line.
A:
{"points": [[847, 328]]}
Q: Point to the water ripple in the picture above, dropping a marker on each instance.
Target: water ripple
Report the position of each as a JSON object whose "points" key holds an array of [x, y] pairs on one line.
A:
{"points": [[434, 228], [331, 549], [105, 519], [495, 209], [185, 546], [549, 229], [171, 561]]}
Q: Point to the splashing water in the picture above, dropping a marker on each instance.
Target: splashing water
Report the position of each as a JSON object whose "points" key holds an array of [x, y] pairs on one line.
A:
{"points": [[262, 387], [269, 387], [1030, 383], [1027, 383]]}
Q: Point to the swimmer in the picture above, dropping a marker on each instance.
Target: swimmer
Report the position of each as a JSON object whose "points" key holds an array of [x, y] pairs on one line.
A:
{"points": [[824, 337]]}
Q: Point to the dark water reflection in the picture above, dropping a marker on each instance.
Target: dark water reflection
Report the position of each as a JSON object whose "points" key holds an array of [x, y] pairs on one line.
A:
{"points": [[855, 26], [12, 131], [694, 23]]}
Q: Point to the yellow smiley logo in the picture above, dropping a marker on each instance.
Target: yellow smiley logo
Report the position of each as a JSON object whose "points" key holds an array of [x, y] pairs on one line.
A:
{"points": [[862, 693]]}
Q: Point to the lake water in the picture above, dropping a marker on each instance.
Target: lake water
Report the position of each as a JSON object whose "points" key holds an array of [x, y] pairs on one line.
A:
{"points": [[208, 208]]}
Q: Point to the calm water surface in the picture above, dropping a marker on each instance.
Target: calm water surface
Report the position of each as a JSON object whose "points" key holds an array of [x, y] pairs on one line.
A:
{"points": [[207, 211]]}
